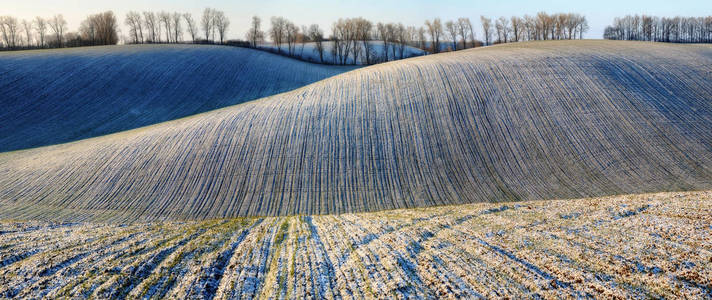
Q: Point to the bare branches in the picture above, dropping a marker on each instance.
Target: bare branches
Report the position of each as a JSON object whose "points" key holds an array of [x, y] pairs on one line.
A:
{"points": [[208, 23], [278, 31], [541, 27], [221, 24], [190, 26], [133, 21], [486, 28], [58, 26], [317, 35], [255, 34], [152, 26], [435, 29], [657, 29], [177, 27], [41, 28], [99, 29], [9, 28]]}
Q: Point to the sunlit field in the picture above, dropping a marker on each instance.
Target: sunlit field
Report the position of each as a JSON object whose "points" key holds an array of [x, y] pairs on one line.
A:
{"points": [[639, 246], [355, 150]]}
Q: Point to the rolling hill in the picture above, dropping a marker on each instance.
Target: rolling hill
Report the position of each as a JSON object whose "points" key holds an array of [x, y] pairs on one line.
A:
{"points": [[56, 96], [522, 121]]}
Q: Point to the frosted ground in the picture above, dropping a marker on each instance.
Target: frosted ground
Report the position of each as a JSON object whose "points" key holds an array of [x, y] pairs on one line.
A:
{"points": [[529, 121], [56, 96], [634, 246], [291, 195]]}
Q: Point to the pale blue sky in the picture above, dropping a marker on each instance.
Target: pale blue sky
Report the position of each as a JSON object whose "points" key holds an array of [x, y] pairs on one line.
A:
{"points": [[324, 12]]}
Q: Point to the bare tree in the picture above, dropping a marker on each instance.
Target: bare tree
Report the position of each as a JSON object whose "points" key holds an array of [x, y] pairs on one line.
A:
{"points": [[486, 28], [13, 29], [462, 26], [41, 28], [9, 28], [544, 25], [255, 35], [58, 25], [135, 24], [343, 37], [208, 23], [383, 33], [221, 24], [152, 26], [317, 35], [421, 37], [361, 34], [395, 32], [165, 19], [453, 31], [435, 29], [530, 27], [88, 30], [292, 32], [502, 27], [177, 27], [303, 38], [583, 27], [517, 24], [27, 26], [278, 31], [99, 29], [190, 26]]}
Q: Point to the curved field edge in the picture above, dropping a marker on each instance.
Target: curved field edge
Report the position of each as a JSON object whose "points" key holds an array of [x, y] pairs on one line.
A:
{"points": [[630, 246], [57, 96], [524, 121]]}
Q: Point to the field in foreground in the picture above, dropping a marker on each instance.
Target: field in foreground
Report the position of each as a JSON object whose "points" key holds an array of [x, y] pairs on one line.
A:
{"points": [[640, 246]]}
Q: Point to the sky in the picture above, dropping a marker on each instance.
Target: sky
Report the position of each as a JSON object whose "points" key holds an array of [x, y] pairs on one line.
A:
{"points": [[599, 13]]}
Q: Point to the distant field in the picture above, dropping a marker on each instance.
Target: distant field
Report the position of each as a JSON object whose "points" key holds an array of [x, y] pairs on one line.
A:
{"points": [[521, 121], [57, 96], [308, 52], [636, 246]]}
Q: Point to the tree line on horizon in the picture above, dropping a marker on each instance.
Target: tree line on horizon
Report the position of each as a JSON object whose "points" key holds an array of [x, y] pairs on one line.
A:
{"points": [[147, 27], [353, 37], [103, 29], [97, 29], [660, 29]]}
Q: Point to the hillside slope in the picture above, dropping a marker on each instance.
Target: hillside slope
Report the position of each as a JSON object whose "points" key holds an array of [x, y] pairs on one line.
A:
{"points": [[520, 121], [57, 96]]}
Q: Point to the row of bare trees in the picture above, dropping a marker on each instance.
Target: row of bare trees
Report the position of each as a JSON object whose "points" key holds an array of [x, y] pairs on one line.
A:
{"points": [[98, 29], [356, 39], [352, 39], [543, 26], [165, 27], [661, 29], [32, 33]]}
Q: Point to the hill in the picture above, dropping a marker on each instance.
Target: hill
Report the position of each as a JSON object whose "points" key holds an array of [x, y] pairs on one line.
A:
{"points": [[523, 121], [56, 96]]}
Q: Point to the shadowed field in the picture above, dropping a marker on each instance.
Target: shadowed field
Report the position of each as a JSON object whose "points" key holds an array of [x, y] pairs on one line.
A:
{"points": [[523, 121], [635, 246], [57, 96]]}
